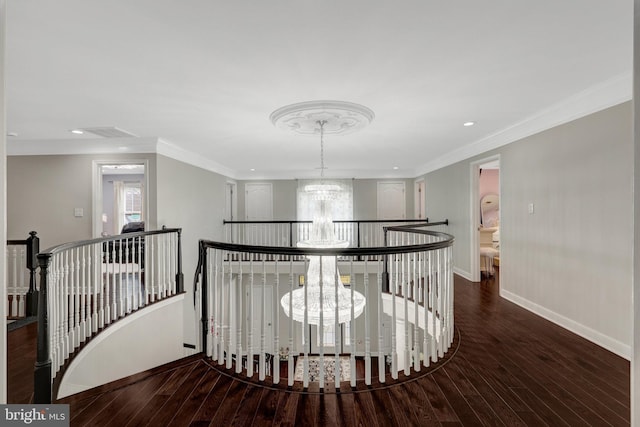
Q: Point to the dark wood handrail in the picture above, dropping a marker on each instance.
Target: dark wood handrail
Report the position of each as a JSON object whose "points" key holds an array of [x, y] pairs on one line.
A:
{"points": [[118, 237], [340, 221]]}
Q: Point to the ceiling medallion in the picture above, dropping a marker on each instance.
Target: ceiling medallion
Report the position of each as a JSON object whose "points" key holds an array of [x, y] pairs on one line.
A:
{"points": [[339, 117]]}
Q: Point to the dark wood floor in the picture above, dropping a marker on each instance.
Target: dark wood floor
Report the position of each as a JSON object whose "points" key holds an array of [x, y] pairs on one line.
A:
{"points": [[512, 368]]}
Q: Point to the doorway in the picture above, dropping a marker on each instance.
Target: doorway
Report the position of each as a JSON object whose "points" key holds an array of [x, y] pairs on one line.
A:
{"points": [[120, 195], [485, 217]]}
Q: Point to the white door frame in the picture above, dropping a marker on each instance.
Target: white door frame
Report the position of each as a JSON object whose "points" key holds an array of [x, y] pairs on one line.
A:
{"points": [[474, 207], [234, 201], [97, 191], [418, 200]]}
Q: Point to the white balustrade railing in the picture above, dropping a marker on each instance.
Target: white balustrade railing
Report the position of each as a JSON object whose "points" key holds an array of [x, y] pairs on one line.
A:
{"points": [[86, 286], [21, 283], [17, 281], [406, 324]]}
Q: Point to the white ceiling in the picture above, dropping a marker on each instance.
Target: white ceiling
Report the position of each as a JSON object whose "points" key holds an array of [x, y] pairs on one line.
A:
{"points": [[202, 77]]}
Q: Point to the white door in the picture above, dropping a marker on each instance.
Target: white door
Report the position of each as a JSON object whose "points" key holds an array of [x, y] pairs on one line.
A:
{"points": [[391, 200], [258, 202], [258, 207]]}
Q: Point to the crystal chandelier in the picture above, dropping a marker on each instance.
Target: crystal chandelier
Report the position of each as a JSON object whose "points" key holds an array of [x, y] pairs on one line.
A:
{"points": [[323, 295]]}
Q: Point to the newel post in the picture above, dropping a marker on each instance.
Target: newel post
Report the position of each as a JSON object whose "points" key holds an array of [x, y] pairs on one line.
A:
{"points": [[385, 272], [204, 289], [42, 373], [179, 274], [33, 247]]}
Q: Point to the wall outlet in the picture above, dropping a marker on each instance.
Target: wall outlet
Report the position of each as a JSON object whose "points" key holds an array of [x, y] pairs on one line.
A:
{"points": [[531, 209], [78, 212]]}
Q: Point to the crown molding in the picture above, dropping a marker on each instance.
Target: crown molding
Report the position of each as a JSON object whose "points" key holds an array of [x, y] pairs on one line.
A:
{"points": [[36, 147], [171, 150], [596, 98]]}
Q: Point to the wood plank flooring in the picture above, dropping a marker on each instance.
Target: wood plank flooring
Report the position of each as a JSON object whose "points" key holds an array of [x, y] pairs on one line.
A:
{"points": [[512, 368]]}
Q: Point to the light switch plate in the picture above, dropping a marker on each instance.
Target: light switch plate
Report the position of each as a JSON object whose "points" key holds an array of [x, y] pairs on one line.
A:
{"points": [[78, 212]]}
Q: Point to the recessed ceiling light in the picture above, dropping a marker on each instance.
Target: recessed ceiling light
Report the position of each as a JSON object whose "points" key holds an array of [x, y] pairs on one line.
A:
{"points": [[395, 168], [468, 124], [252, 169], [12, 134], [76, 131]]}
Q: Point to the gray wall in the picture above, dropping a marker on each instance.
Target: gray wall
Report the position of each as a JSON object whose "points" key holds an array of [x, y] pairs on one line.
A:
{"points": [[43, 191], [193, 199], [570, 261]]}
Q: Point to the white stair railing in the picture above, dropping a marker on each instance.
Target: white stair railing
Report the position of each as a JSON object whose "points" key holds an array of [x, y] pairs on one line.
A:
{"points": [[86, 286], [406, 324]]}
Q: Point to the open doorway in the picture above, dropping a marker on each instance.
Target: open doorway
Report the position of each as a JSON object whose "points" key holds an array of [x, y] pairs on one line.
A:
{"points": [[485, 218], [119, 195]]}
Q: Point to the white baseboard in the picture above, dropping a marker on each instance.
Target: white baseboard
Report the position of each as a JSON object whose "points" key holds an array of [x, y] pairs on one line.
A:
{"points": [[615, 346], [462, 273]]}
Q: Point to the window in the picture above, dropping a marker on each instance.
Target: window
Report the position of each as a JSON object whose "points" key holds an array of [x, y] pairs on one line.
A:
{"points": [[341, 208], [132, 202]]}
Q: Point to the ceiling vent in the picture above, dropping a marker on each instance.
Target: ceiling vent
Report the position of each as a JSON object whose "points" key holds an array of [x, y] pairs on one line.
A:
{"points": [[109, 132]]}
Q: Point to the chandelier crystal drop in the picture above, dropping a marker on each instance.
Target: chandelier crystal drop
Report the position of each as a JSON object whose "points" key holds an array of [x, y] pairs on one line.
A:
{"points": [[323, 296]]}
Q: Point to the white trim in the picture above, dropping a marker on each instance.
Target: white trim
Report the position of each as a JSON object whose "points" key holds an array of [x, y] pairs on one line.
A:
{"points": [[171, 150], [596, 98], [81, 146], [462, 273], [615, 346], [417, 199]]}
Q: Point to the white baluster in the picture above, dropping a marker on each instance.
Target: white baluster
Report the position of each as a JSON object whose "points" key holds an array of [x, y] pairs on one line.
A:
{"points": [[337, 330], [352, 323], [381, 355], [239, 300], [290, 361], [229, 315], [307, 338], [405, 320], [263, 309], [320, 329], [276, 342], [250, 317], [83, 295], [213, 285], [75, 253]]}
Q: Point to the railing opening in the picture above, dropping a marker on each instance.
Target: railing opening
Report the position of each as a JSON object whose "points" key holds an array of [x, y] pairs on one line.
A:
{"points": [[87, 286], [406, 323]]}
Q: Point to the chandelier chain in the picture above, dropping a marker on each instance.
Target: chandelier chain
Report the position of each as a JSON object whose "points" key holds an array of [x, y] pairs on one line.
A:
{"points": [[321, 123]]}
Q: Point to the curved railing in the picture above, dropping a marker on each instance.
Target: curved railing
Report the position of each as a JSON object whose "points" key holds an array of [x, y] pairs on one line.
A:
{"points": [[88, 285], [406, 323]]}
